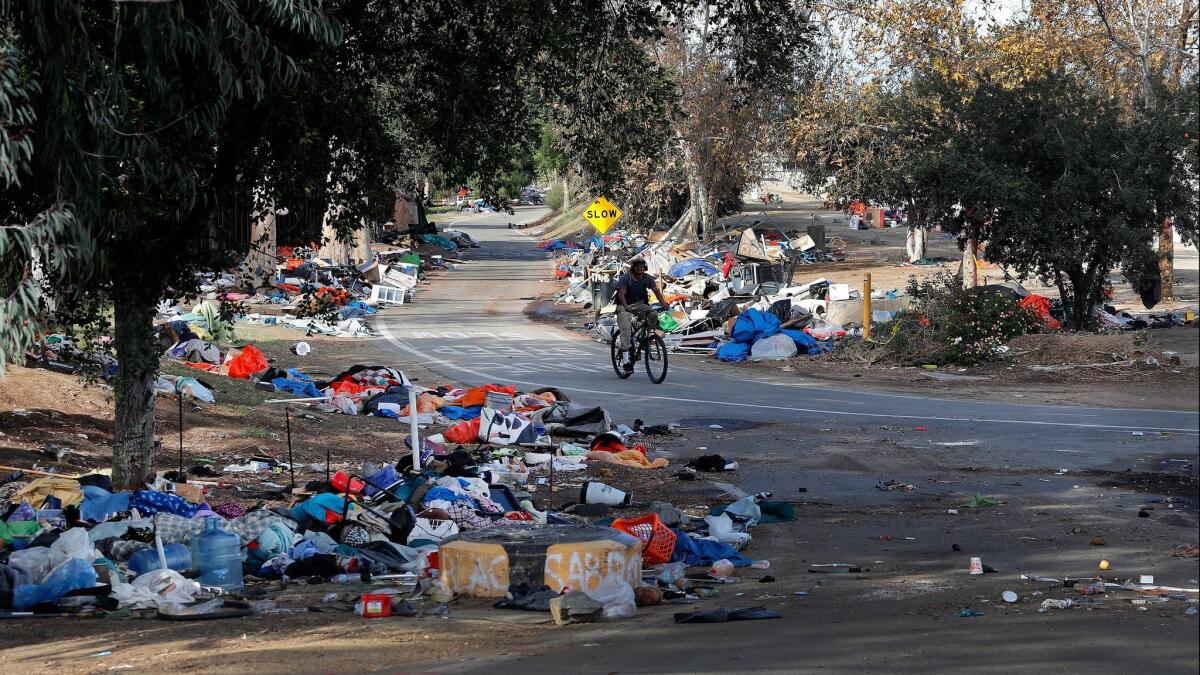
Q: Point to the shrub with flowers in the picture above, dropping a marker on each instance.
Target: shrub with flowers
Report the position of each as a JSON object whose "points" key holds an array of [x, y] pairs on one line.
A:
{"points": [[948, 324]]}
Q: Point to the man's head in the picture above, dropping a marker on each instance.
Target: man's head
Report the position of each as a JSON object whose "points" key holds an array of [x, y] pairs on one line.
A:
{"points": [[637, 268]]}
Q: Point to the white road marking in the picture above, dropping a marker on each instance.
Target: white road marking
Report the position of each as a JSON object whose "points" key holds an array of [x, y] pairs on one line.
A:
{"points": [[428, 358]]}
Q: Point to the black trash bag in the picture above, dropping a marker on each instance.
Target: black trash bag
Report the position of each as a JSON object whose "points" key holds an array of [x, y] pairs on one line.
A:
{"points": [[782, 309]]}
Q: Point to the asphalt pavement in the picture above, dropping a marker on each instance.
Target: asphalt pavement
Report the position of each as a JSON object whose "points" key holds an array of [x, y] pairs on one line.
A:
{"points": [[787, 430], [472, 326]]}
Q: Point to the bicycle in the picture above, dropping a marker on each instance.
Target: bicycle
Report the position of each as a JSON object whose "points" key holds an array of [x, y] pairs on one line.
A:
{"points": [[646, 345]]}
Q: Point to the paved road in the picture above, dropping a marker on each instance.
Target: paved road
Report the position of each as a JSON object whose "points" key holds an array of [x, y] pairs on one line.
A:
{"points": [[471, 326]]}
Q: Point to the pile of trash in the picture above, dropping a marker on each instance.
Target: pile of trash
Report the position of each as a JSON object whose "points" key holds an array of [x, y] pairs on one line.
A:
{"points": [[172, 549], [314, 295], [708, 285]]}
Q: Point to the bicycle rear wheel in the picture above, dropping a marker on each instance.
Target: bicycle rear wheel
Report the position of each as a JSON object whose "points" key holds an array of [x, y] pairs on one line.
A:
{"points": [[615, 351], [656, 359]]}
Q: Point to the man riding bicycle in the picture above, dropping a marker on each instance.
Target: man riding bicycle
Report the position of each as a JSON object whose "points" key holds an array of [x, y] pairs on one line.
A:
{"points": [[633, 299]]}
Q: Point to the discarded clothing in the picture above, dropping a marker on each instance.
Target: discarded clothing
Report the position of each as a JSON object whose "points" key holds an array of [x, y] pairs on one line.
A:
{"points": [[65, 490], [769, 511], [98, 503], [630, 458], [177, 529], [151, 502], [522, 597], [323, 508], [395, 557], [304, 388]]}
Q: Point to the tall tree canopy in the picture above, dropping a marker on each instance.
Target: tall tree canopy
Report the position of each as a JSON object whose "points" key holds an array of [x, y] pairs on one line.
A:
{"points": [[128, 126]]}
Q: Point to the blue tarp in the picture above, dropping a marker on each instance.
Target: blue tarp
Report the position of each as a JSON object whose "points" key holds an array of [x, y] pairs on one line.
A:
{"points": [[805, 342], [733, 352], [685, 267], [439, 241], [698, 552], [455, 412], [753, 325]]}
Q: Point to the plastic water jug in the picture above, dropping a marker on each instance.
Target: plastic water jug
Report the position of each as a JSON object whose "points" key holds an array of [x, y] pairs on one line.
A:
{"points": [[178, 556], [218, 555]]}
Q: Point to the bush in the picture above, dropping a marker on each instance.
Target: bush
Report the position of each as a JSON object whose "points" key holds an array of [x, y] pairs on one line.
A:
{"points": [[948, 324], [554, 197]]}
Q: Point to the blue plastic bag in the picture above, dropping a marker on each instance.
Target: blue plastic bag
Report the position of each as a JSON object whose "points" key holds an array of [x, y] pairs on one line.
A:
{"points": [[733, 352], [72, 574]]}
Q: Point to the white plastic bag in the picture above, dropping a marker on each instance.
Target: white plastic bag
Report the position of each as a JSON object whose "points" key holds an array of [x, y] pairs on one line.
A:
{"points": [[773, 348], [721, 528], [617, 597], [156, 588], [74, 543], [34, 562]]}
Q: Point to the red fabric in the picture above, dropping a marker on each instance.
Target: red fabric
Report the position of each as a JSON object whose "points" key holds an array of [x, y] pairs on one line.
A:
{"points": [[463, 432], [293, 263], [200, 366], [1040, 305], [609, 445], [475, 396], [247, 363], [350, 387], [337, 296], [730, 261], [288, 288]]}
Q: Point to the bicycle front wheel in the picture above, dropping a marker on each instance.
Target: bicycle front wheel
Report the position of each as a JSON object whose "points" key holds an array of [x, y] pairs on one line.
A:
{"points": [[656, 359]]}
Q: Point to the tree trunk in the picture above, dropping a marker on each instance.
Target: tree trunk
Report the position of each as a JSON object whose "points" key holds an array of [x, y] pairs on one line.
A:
{"points": [[566, 205], [137, 352], [970, 263], [1166, 260]]}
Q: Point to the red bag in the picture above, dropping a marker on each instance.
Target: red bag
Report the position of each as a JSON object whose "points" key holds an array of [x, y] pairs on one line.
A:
{"points": [[478, 394], [249, 362], [463, 432]]}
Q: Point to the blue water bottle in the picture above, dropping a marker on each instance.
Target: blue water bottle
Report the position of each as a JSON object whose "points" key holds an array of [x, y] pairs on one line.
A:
{"points": [[218, 556]]}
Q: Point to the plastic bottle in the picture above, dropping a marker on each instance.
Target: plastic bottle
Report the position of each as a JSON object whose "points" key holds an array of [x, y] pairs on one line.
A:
{"points": [[179, 558], [218, 555]]}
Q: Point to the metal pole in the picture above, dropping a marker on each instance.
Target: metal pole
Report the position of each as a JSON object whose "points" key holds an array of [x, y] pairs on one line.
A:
{"points": [[287, 416], [412, 427], [550, 501], [179, 397]]}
